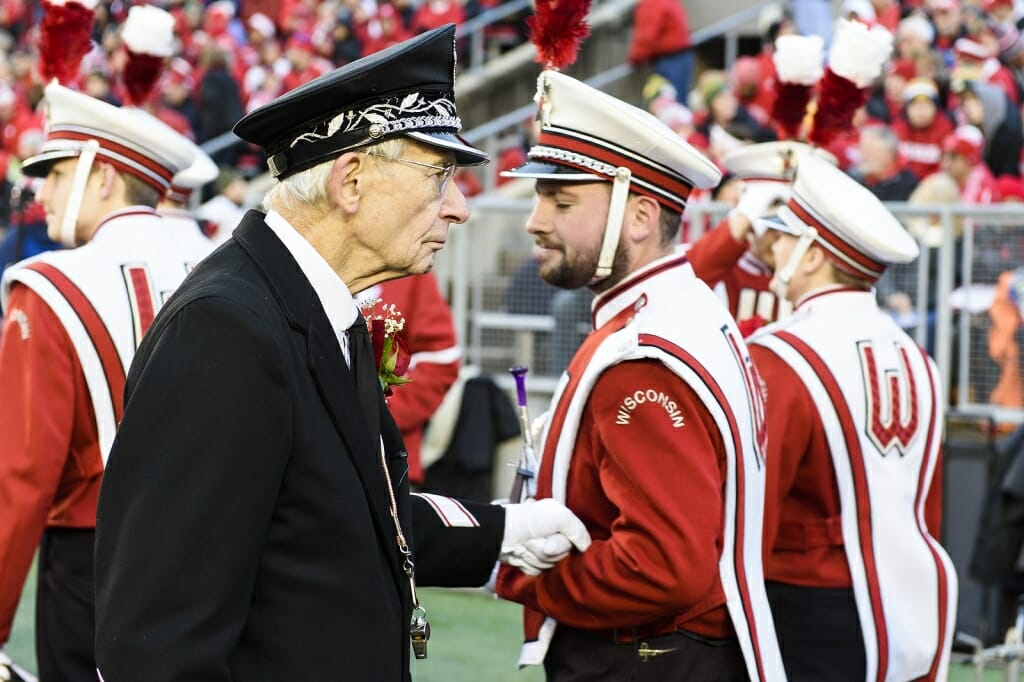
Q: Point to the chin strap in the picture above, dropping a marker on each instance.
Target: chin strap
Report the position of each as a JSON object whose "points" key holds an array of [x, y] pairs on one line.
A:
{"points": [[66, 230], [613, 228], [780, 283]]}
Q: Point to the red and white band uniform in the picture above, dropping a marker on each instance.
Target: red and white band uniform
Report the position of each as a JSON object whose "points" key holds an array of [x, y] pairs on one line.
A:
{"points": [[72, 322], [655, 439], [855, 422], [739, 277], [435, 353]]}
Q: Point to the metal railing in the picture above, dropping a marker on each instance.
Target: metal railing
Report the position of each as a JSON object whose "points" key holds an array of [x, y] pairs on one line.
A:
{"points": [[965, 249]]}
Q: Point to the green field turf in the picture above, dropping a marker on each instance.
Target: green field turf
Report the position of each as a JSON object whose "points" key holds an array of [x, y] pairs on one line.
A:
{"points": [[473, 637]]}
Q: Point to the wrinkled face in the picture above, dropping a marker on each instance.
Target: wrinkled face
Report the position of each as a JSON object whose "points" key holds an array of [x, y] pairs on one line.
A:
{"points": [[567, 224], [411, 211], [921, 112]]}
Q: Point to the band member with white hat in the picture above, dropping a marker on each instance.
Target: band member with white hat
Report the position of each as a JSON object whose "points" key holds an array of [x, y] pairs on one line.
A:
{"points": [[859, 585], [72, 322], [735, 257], [174, 207], [256, 440], [654, 437]]}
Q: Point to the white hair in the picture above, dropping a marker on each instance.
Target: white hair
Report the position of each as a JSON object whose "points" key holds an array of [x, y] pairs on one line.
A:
{"points": [[917, 25], [309, 186]]}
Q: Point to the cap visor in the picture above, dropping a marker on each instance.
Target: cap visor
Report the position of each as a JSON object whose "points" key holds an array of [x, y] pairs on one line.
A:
{"points": [[540, 170], [789, 223], [771, 222], [465, 153], [39, 166]]}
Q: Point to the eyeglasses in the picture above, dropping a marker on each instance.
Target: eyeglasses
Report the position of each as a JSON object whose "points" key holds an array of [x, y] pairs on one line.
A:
{"points": [[445, 173]]}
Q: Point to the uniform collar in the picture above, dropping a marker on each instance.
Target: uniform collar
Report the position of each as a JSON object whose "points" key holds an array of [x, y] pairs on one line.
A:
{"points": [[831, 295], [334, 295], [627, 293]]}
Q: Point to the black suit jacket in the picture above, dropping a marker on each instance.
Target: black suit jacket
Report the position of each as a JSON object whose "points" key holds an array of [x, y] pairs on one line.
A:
{"points": [[243, 530]]}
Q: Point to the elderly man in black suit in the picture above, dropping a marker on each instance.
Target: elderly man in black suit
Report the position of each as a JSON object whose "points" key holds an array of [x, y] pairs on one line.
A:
{"points": [[255, 521]]}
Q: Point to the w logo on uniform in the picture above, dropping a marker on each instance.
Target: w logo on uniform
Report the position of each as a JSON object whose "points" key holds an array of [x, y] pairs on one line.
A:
{"points": [[892, 417]]}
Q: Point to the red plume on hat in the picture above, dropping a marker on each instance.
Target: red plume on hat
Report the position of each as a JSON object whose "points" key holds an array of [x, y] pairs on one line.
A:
{"points": [[64, 38], [148, 36], [556, 30], [798, 62], [856, 59]]}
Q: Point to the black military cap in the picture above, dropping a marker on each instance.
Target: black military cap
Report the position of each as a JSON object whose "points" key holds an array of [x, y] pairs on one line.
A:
{"points": [[407, 89]]}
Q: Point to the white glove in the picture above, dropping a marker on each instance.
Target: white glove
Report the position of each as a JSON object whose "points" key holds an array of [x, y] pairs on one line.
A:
{"points": [[758, 199], [539, 534], [10, 672]]}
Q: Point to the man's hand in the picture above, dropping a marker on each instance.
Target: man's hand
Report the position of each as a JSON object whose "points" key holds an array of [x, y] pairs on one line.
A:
{"points": [[10, 672], [757, 199], [539, 534]]}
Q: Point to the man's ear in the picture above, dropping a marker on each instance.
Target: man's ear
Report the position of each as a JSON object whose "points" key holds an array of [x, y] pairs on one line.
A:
{"points": [[348, 181], [814, 259], [107, 179], [642, 217]]}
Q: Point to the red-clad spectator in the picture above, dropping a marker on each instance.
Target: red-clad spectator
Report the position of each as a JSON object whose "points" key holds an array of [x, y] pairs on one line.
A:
{"points": [[383, 30], [914, 37], [1011, 188], [261, 29], [216, 20], [305, 64], [14, 17], [748, 84], [297, 16], [268, 8], [975, 61], [948, 22], [468, 182], [922, 127], [661, 38], [1002, 11], [434, 13], [961, 160]]}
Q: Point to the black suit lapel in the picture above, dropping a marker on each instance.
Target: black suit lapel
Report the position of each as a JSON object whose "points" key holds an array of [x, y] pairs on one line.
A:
{"points": [[335, 382], [337, 388]]}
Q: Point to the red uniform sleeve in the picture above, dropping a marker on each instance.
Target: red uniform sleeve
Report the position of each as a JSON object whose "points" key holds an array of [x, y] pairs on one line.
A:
{"points": [[790, 434], [715, 254], [38, 368], [646, 479], [430, 334]]}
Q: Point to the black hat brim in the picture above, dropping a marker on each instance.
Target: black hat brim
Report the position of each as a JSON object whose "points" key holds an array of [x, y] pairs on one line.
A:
{"points": [[465, 153]]}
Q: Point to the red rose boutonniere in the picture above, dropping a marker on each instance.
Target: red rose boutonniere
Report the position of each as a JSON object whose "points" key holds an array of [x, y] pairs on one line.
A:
{"points": [[390, 353]]}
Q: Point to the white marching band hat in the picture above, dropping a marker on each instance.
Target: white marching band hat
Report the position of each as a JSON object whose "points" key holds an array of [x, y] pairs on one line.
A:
{"points": [[770, 161], [201, 172], [589, 136], [129, 139], [832, 210]]}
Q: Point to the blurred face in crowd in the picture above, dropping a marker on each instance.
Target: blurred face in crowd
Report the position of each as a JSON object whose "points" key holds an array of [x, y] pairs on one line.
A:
{"points": [[567, 223], [876, 156], [946, 17], [921, 112], [724, 106], [972, 108], [956, 166]]}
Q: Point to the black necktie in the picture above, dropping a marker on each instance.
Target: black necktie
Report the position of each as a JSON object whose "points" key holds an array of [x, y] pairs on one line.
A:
{"points": [[361, 360]]}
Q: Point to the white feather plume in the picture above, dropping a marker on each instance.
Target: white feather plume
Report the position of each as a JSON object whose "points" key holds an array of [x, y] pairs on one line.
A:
{"points": [[859, 53], [149, 30], [798, 59]]}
